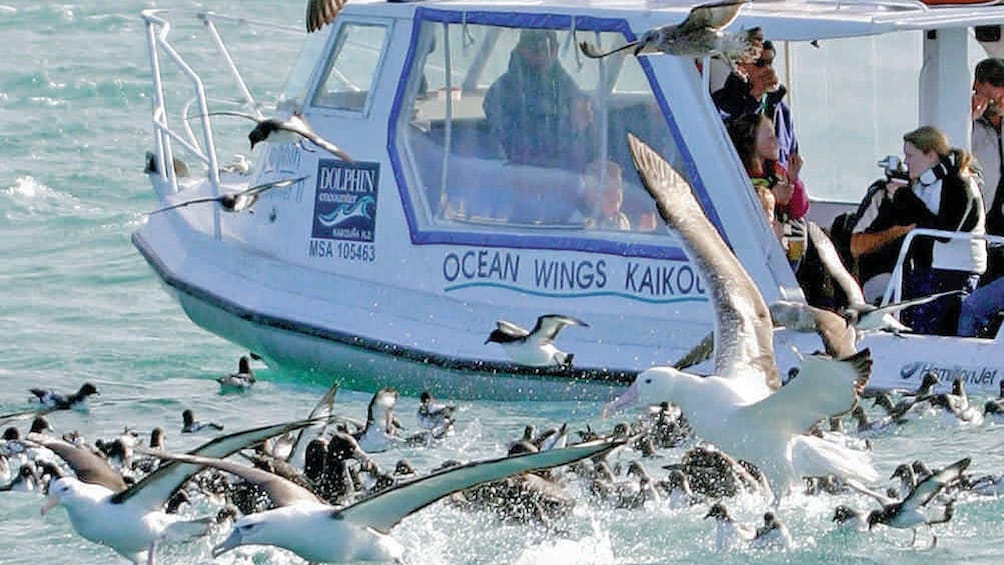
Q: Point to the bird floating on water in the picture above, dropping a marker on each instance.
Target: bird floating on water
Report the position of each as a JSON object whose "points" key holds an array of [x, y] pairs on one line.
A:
{"points": [[700, 34], [56, 401]]}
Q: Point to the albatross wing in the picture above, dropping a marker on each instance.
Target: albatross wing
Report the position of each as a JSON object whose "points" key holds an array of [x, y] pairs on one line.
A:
{"points": [[385, 509], [154, 489], [714, 15], [744, 339]]}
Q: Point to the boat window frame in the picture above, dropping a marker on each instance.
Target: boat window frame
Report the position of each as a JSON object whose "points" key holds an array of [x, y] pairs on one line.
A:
{"points": [[422, 234], [323, 71]]}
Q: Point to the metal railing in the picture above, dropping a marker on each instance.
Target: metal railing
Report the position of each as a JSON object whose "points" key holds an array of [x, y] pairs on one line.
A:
{"points": [[168, 138], [894, 290]]}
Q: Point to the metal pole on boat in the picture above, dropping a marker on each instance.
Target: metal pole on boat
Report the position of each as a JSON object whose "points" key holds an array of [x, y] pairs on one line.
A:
{"points": [[206, 17], [448, 131], [162, 149]]}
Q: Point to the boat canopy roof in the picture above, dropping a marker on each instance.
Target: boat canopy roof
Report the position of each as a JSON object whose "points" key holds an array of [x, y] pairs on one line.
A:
{"points": [[781, 19]]}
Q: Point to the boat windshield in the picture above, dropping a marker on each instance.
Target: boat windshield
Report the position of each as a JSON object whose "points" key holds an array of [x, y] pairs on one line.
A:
{"points": [[507, 126]]}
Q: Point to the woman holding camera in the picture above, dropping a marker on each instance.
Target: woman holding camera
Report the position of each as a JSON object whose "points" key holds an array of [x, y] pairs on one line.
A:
{"points": [[943, 194]]}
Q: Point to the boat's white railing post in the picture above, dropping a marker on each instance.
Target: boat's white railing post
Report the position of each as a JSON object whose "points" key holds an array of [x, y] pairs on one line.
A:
{"points": [[207, 19], [162, 145], [894, 290]]}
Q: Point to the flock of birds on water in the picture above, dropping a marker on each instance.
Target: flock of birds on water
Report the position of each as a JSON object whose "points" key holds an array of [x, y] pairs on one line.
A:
{"points": [[310, 486]]}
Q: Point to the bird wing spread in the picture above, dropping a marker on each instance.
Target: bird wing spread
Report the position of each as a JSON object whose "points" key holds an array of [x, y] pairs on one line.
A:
{"points": [[385, 509], [154, 489], [549, 325], [831, 260], [714, 15], [322, 12], [744, 338]]}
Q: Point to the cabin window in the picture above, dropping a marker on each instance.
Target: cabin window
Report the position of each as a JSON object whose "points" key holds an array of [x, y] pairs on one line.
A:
{"points": [[352, 68], [504, 127]]}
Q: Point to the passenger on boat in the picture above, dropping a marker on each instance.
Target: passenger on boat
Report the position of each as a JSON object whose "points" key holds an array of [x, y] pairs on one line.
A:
{"points": [[988, 109], [603, 199], [981, 310], [876, 236], [781, 192], [759, 91], [943, 195], [536, 109]]}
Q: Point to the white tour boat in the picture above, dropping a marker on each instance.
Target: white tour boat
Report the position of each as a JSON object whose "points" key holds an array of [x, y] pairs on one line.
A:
{"points": [[392, 269]]}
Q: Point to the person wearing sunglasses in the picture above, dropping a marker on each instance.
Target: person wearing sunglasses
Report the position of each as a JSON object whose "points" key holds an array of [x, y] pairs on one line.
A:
{"points": [[755, 89]]}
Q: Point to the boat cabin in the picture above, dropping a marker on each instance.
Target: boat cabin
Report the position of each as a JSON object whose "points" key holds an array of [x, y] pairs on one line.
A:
{"points": [[473, 197]]}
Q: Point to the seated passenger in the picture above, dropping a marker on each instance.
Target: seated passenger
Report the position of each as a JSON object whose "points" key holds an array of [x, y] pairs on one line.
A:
{"points": [[980, 310], [781, 192], [536, 109], [603, 199], [943, 195]]}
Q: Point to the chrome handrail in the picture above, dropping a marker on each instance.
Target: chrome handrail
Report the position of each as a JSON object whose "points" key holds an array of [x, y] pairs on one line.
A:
{"points": [[894, 290]]}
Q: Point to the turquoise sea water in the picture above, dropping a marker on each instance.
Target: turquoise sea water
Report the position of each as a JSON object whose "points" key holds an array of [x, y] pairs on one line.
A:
{"points": [[79, 303]]}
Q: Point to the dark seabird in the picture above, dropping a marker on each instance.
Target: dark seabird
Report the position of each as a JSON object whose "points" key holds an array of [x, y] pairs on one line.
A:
{"points": [[867, 427], [26, 480], [322, 12], [957, 403], [130, 519], [728, 533], [189, 425], [772, 535], [294, 129], [56, 401], [912, 510], [318, 532], [700, 34], [849, 518], [995, 406], [742, 408], [243, 378], [434, 416], [236, 202], [535, 347]]}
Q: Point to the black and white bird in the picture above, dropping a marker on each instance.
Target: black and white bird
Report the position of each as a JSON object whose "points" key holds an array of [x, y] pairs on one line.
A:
{"points": [[729, 534], [319, 532], [382, 431], [294, 129], [912, 511], [772, 535], [241, 201], [849, 518], [956, 403], [536, 347], [322, 12], [433, 416], [26, 480], [242, 379], [994, 407], [56, 401], [700, 34], [189, 425], [863, 316]]}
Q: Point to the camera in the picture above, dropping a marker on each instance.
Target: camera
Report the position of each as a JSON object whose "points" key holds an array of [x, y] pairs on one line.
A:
{"points": [[894, 169]]}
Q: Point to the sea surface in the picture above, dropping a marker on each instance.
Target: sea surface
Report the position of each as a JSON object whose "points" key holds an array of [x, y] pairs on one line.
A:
{"points": [[78, 303]]}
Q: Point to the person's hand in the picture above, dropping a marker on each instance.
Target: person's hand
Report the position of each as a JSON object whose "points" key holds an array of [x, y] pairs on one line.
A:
{"points": [[903, 230], [892, 185], [980, 104], [783, 190], [795, 163]]}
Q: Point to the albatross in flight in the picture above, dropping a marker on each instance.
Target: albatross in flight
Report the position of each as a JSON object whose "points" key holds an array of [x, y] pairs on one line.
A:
{"points": [[319, 532], [131, 519], [742, 408]]}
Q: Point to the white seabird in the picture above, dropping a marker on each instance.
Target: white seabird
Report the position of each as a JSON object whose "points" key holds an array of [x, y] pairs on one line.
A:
{"points": [[236, 202], [535, 347], [381, 431], [131, 520], [700, 34], [729, 534], [742, 408], [319, 532]]}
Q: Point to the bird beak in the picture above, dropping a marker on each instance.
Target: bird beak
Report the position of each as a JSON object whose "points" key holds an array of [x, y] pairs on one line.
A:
{"points": [[51, 502], [628, 398], [232, 541]]}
